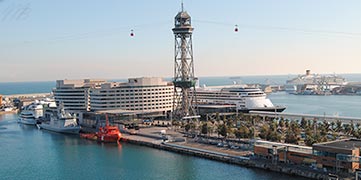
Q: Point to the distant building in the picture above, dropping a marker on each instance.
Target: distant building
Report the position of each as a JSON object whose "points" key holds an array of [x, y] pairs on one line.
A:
{"points": [[342, 155], [146, 95]]}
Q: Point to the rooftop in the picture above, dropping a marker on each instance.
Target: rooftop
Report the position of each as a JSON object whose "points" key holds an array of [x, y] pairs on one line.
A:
{"points": [[342, 144], [291, 147]]}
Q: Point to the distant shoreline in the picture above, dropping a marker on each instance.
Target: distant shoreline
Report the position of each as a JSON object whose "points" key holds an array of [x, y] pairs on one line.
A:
{"points": [[200, 77], [27, 95]]}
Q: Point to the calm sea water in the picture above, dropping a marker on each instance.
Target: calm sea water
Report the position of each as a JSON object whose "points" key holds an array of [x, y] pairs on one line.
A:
{"points": [[29, 153], [335, 105]]}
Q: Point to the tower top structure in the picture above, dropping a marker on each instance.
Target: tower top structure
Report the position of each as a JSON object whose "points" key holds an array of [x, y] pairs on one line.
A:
{"points": [[182, 22]]}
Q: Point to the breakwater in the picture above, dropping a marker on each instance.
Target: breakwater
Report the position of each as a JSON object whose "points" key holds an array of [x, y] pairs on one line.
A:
{"points": [[236, 160]]}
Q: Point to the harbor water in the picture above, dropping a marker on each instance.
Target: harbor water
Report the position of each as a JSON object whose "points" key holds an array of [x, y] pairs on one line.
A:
{"points": [[29, 153], [333, 105]]}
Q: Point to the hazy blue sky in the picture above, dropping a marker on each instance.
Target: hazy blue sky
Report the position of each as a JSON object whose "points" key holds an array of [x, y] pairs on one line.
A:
{"points": [[48, 40]]}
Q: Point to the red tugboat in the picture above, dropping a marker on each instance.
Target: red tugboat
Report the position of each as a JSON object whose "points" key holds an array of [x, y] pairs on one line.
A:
{"points": [[107, 134]]}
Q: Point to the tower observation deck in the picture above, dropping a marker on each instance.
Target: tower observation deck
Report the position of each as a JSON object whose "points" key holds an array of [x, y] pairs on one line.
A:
{"points": [[184, 79]]}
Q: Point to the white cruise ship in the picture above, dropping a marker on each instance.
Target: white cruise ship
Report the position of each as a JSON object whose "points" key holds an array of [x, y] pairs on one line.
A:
{"points": [[314, 81], [244, 98]]}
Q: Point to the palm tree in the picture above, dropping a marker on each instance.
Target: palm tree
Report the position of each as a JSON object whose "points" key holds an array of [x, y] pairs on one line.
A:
{"points": [[303, 123], [204, 128], [222, 130], [333, 126], [338, 126]]}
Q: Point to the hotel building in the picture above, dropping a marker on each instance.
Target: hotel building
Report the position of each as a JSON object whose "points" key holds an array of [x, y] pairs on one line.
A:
{"points": [[142, 95], [138, 94], [74, 94]]}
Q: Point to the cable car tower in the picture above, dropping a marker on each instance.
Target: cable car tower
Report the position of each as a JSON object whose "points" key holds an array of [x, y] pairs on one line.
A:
{"points": [[184, 80]]}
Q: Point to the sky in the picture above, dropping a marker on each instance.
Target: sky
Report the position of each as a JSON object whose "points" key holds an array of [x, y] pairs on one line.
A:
{"points": [[42, 40]]}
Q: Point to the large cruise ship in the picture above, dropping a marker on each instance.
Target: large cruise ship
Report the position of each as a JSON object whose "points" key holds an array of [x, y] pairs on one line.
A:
{"points": [[244, 98], [315, 82]]}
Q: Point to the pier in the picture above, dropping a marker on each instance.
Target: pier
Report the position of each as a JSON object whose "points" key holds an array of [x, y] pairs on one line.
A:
{"points": [[297, 116]]}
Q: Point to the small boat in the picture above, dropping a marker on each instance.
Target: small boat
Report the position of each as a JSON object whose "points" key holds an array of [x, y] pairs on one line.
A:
{"points": [[107, 133], [61, 122]]}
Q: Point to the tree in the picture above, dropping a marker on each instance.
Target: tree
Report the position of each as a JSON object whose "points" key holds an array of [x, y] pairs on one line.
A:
{"points": [[333, 126], [326, 125], [281, 123], [303, 123], [204, 129], [338, 126], [352, 126], [187, 127], [245, 132], [274, 136], [291, 136], [238, 134], [347, 129], [309, 141], [287, 123], [264, 131], [273, 125], [222, 130]]}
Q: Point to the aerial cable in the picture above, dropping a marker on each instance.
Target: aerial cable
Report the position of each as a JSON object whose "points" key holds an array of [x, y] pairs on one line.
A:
{"points": [[302, 30]]}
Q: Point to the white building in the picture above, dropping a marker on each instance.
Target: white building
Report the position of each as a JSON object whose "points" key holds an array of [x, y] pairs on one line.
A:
{"points": [[138, 94], [75, 93], [144, 95]]}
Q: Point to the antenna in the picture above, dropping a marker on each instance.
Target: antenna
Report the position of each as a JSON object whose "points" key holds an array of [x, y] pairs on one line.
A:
{"points": [[182, 5]]}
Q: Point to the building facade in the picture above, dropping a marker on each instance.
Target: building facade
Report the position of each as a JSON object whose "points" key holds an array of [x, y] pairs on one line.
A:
{"points": [[341, 155], [145, 95], [74, 94], [286, 153]]}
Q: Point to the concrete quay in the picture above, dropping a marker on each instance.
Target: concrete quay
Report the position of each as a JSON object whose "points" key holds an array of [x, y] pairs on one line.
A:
{"points": [[188, 147]]}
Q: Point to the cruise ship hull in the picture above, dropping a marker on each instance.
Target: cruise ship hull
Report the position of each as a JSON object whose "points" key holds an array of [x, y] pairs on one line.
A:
{"points": [[27, 121], [270, 109], [66, 130]]}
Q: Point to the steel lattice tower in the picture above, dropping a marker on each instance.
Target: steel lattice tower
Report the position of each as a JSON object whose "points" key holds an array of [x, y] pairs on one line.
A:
{"points": [[184, 80]]}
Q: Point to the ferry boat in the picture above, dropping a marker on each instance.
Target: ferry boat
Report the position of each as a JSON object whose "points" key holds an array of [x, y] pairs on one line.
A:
{"points": [[31, 114], [244, 98], [61, 122], [107, 133]]}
